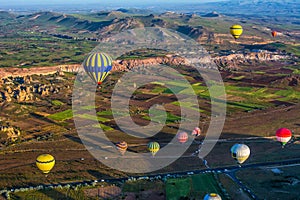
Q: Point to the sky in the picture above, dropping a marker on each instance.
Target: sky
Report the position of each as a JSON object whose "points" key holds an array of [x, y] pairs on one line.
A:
{"points": [[43, 2]]}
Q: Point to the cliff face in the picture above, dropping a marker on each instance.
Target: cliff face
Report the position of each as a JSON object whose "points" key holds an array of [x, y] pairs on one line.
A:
{"points": [[22, 72], [27, 90], [125, 65], [233, 61]]}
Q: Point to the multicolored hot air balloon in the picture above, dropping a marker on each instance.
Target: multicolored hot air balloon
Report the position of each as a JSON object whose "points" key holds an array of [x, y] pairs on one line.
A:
{"points": [[283, 135], [236, 31], [196, 131], [274, 33], [153, 147], [182, 137], [98, 66], [45, 162], [240, 152], [212, 196], [122, 147]]}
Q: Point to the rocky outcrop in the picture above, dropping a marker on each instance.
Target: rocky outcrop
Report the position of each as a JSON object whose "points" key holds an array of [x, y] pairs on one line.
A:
{"points": [[26, 90], [119, 25], [12, 132], [234, 61], [26, 73], [125, 65]]}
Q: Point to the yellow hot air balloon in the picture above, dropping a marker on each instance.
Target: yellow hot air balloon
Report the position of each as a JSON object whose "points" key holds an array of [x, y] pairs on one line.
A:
{"points": [[240, 152], [45, 162], [98, 66], [236, 31], [153, 147]]}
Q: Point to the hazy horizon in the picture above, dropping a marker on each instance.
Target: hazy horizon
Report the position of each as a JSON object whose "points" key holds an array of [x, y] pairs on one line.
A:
{"points": [[125, 2]]}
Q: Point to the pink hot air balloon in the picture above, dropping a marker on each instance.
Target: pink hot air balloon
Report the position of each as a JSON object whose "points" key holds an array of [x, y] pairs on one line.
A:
{"points": [[196, 131], [182, 137]]}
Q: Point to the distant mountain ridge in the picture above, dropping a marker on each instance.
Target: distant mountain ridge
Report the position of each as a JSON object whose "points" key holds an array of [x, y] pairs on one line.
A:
{"points": [[104, 23]]}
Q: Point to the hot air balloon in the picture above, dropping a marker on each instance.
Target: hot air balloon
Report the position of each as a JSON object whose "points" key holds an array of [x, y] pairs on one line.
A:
{"points": [[122, 147], [274, 33], [236, 31], [212, 196], [97, 66], [283, 135], [182, 137], [240, 152], [45, 162], [196, 131], [153, 147]]}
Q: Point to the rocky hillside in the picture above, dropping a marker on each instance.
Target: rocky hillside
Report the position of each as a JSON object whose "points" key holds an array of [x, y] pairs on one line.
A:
{"points": [[103, 24], [228, 62], [234, 61], [8, 133], [26, 89]]}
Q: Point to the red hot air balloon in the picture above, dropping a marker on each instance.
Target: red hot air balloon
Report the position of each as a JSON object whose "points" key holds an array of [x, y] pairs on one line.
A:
{"points": [[182, 137], [283, 135], [274, 33], [196, 131]]}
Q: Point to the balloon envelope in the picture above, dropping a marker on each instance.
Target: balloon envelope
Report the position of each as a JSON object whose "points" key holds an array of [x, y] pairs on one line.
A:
{"points": [[274, 33], [236, 31], [45, 163], [182, 137], [196, 131], [240, 152], [283, 135], [97, 66], [153, 147], [212, 196], [122, 147]]}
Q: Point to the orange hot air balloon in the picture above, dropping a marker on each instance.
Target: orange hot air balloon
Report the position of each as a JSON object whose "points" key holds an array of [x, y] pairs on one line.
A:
{"points": [[122, 147], [274, 33]]}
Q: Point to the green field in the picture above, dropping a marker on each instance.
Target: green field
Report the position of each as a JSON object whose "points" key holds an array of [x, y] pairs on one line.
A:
{"points": [[195, 187], [61, 116]]}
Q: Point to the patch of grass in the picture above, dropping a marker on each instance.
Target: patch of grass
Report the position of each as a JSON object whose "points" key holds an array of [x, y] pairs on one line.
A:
{"points": [[57, 103], [88, 107], [105, 112], [61, 116], [158, 90], [188, 105], [288, 94], [175, 90], [238, 88], [195, 186], [103, 127], [238, 78], [176, 188], [259, 72], [247, 106], [159, 116], [95, 118], [205, 183]]}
